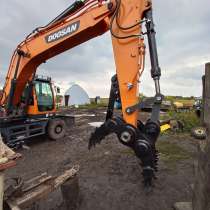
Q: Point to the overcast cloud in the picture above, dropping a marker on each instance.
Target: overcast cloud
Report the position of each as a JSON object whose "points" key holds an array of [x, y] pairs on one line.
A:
{"points": [[182, 35]]}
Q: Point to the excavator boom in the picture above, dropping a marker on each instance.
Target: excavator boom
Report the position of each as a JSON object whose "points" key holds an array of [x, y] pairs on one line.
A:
{"points": [[50, 41]]}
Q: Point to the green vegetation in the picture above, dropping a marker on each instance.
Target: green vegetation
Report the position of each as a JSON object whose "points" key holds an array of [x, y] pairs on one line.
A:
{"points": [[142, 96], [86, 106], [92, 105], [175, 98], [186, 101], [188, 119], [170, 153]]}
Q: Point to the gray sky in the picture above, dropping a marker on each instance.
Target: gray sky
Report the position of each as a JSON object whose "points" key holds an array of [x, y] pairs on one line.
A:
{"points": [[182, 36]]}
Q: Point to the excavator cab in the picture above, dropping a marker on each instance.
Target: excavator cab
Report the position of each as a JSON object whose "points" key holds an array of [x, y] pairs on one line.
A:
{"points": [[42, 97]]}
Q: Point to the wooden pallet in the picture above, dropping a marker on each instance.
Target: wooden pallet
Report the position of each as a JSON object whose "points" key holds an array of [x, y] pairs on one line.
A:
{"points": [[25, 194]]}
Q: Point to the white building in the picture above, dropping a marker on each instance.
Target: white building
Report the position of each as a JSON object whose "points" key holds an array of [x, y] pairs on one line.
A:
{"points": [[76, 95]]}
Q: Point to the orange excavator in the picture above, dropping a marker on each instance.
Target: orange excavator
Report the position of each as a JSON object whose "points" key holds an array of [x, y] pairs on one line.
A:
{"points": [[27, 102]]}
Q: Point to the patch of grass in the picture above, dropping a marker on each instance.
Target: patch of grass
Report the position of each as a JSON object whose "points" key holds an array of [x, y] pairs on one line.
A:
{"points": [[171, 153], [86, 106], [127, 151], [189, 119], [92, 106]]}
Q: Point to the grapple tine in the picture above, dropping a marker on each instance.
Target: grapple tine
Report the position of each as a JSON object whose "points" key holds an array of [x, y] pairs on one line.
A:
{"points": [[100, 133]]}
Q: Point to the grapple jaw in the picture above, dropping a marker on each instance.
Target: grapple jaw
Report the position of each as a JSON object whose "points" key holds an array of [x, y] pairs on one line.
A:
{"points": [[101, 132], [141, 139]]}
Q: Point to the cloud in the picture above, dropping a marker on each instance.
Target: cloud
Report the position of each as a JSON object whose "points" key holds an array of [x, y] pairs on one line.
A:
{"points": [[182, 38]]}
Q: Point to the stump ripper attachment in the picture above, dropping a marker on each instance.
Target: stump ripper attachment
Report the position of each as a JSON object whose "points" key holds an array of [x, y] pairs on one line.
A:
{"points": [[141, 139]]}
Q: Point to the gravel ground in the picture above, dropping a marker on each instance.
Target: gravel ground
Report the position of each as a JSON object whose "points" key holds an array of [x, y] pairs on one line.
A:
{"points": [[110, 175]]}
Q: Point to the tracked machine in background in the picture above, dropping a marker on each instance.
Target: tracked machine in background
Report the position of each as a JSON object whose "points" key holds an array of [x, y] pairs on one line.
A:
{"points": [[128, 22]]}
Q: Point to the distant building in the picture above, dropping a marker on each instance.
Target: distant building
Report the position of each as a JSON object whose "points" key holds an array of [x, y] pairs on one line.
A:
{"points": [[97, 99], [76, 95]]}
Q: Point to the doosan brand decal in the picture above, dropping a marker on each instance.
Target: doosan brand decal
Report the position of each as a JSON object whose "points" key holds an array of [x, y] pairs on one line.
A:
{"points": [[70, 29]]}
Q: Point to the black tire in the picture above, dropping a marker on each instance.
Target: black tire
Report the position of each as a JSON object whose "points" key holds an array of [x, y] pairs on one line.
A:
{"points": [[199, 133], [56, 129]]}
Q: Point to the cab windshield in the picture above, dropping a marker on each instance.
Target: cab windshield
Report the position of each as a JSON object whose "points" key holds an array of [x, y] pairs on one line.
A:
{"points": [[44, 96]]}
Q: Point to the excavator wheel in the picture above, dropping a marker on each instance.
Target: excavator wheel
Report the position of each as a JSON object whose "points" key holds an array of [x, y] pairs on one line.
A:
{"points": [[199, 133], [56, 129]]}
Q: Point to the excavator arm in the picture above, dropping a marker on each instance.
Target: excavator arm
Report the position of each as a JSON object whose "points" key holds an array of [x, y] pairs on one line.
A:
{"points": [[81, 22]]}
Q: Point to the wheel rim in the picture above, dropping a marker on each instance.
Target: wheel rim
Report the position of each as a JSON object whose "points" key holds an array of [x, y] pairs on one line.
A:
{"points": [[200, 132], [58, 129]]}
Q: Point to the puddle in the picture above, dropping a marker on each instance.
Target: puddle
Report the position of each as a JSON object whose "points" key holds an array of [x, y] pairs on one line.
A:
{"points": [[95, 124]]}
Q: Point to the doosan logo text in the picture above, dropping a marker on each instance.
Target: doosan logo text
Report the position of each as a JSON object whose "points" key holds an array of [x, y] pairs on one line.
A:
{"points": [[62, 32]]}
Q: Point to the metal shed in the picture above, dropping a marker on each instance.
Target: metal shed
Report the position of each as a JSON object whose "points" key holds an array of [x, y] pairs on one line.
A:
{"points": [[76, 95]]}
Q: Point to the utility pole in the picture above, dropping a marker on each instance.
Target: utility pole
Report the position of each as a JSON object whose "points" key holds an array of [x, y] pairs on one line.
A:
{"points": [[201, 194]]}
